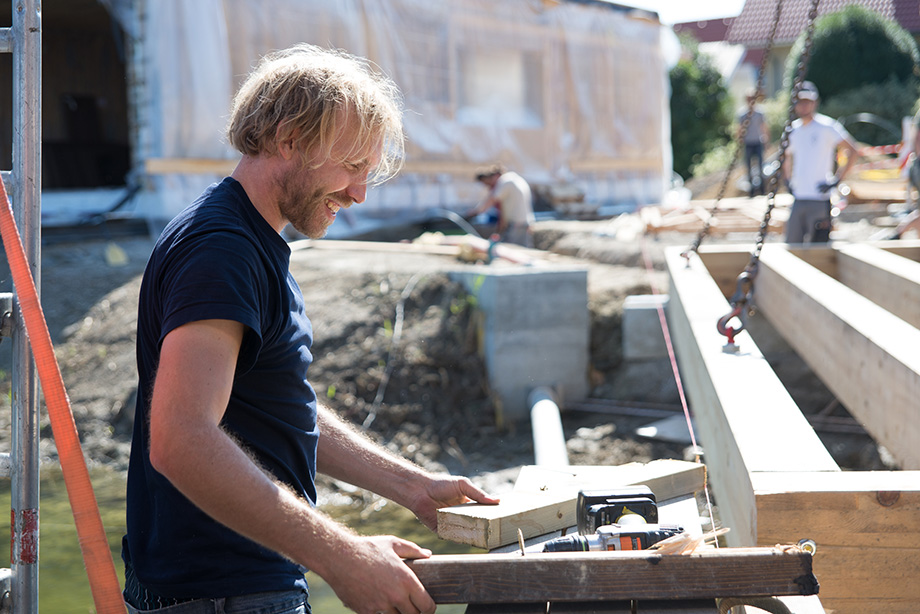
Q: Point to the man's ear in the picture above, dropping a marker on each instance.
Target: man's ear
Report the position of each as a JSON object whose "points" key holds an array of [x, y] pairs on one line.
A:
{"points": [[286, 149], [285, 143]]}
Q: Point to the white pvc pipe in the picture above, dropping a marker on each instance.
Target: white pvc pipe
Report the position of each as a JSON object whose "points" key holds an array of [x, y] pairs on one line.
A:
{"points": [[548, 437]]}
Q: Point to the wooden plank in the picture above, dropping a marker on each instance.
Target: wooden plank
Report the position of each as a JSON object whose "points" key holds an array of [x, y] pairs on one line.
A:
{"points": [[667, 478], [724, 263], [906, 249], [650, 606], [192, 166], [375, 246], [866, 525], [545, 501], [888, 280], [822, 256], [611, 576], [865, 355], [741, 408]]}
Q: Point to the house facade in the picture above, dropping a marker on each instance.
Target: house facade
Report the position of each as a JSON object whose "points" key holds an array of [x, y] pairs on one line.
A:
{"points": [[570, 93]]}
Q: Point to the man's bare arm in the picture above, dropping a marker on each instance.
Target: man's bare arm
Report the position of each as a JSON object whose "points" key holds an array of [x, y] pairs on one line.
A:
{"points": [[348, 455]]}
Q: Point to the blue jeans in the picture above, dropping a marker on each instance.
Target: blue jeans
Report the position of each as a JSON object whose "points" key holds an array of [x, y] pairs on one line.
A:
{"points": [[276, 602]]}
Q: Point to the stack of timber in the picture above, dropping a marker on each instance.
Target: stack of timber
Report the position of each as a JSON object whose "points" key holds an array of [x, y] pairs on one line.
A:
{"points": [[567, 200], [732, 215], [851, 311]]}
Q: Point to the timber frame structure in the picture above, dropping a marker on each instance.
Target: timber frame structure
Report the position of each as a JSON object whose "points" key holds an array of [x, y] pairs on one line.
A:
{"points": [[852, 313]]}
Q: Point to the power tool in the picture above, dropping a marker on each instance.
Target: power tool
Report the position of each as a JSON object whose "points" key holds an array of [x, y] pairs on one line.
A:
{"points": [[625, 519]]}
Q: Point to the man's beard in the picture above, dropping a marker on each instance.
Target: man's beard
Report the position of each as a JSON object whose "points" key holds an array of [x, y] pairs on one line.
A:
{"points": [[306, 212]]}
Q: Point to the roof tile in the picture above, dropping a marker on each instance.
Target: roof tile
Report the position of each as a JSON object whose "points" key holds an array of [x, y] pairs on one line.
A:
{"points": [[752, 26]]}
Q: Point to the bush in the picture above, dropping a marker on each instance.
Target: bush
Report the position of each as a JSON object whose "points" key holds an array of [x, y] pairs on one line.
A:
{"points": [[889, 102], [855, 47], [700, 109]]}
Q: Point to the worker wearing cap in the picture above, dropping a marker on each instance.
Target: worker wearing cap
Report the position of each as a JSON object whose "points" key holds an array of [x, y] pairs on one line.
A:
{"points": [[815, 141]]}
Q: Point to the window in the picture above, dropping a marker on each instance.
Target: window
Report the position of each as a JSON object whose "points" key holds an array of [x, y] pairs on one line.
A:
{"points": [[500, 86]]}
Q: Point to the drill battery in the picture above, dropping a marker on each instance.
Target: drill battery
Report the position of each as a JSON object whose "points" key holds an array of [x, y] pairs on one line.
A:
{"points": [[626, 505], [614, 537]]}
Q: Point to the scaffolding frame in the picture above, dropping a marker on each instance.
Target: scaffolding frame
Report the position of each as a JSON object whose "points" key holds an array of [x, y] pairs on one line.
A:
{"points": [[23, 40]]}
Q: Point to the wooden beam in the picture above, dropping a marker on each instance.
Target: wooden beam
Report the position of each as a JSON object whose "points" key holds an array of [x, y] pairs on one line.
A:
{"points": [[890, 281], [375, 246], [867, 528], [651, 606], [906, 249], [724, 263], [741, 408], [192, 166], [865, 355], [865, 523], [545, 501], [611, 576], [666, 478]]}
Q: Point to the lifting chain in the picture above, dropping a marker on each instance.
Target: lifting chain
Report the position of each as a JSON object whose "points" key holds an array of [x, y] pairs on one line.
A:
{"points": [[745, 124], [741, 302]]}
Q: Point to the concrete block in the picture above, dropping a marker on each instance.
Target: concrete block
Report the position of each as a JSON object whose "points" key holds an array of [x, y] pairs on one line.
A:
{"points": [[535, 328], [642, 335]]}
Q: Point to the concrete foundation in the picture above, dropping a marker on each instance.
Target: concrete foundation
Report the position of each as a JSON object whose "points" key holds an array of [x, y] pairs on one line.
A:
{"points": [[642, 336], [534, 332]]}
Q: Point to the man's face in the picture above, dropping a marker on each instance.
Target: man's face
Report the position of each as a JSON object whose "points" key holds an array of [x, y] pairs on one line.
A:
{"points": [[805, 107], [310, 198]]}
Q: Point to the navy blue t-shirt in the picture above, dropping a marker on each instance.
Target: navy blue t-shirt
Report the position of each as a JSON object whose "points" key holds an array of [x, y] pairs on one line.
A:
{"points": [[220, 259]]}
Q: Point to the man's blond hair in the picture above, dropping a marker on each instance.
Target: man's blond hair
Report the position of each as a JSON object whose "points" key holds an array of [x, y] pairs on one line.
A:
{"points": [[310, 94]]}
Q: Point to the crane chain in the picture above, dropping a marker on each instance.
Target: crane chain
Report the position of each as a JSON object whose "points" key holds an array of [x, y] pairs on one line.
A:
{"points": [[742, 134], [742, 302]]}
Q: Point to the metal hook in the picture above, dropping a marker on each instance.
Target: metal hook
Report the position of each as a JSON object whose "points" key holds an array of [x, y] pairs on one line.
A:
{"points": [[730, 332]]}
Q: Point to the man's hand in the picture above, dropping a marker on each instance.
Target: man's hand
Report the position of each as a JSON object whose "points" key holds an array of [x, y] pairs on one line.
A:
{"points": [[825, 186], [370, 576], [445, 491]]}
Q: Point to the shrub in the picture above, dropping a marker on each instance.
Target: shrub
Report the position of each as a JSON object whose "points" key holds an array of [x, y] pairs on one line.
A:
{"points": [[700, 109], [888, 102]]}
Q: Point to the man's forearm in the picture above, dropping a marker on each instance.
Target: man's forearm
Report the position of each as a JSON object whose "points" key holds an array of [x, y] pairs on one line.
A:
{"points": [[348, 455]]}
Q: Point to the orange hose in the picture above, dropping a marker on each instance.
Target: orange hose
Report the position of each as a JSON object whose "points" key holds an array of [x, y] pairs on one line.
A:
{"points": [[93, 543]]}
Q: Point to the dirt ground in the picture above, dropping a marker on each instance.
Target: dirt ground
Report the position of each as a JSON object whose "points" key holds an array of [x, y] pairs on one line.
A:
{"points": [[435, 407]]}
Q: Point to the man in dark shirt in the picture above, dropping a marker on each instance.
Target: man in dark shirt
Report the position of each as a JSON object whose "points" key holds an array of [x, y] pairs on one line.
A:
{"points": [[229, 433]]}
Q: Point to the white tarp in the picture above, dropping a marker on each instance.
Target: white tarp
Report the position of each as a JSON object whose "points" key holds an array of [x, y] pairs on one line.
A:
{"points": [[558, 91]]}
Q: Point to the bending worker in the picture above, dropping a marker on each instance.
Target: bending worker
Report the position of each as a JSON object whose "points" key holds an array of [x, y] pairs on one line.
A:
{"points": [[510, 194], [229, 433]]}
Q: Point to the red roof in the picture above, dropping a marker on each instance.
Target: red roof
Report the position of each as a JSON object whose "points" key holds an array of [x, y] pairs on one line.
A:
{"points": [[708, 31], [752, 26]]}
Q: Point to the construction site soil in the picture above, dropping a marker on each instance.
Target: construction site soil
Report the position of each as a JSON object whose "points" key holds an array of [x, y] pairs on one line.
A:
{"points": [[435, 406]]}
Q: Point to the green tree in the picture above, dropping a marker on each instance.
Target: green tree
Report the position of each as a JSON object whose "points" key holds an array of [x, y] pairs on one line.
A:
{"points": [[700, 109], [853, 47], [862, 62]]}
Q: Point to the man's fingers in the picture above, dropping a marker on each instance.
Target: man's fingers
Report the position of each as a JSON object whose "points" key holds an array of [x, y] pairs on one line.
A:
{"points": [[409, 550], [479, 496], [423, 602]]}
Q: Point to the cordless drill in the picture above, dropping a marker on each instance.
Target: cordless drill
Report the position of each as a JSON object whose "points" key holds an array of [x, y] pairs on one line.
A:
{"points": [[625, 519]]}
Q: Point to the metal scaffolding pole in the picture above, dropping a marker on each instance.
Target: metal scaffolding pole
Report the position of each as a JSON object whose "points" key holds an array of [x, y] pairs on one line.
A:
{"points": [[25, 45]]}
